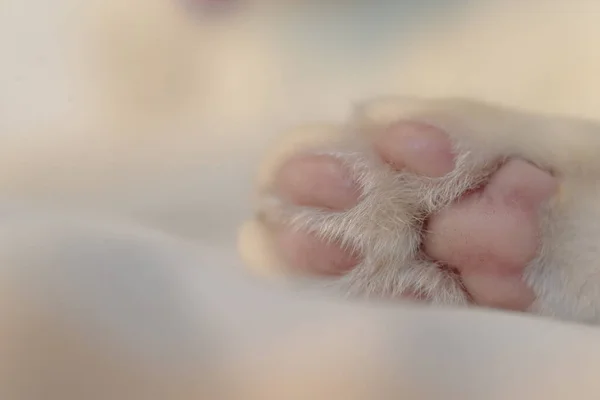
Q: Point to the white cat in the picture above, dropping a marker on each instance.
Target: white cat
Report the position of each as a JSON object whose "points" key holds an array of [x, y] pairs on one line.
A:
{"points": [[141, 112]]}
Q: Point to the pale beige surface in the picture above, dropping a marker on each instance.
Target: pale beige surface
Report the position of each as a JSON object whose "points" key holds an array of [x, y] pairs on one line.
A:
{"points": [[151, 318]]}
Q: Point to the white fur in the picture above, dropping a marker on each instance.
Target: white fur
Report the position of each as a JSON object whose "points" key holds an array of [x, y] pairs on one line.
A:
{"points": [[385, 226]]}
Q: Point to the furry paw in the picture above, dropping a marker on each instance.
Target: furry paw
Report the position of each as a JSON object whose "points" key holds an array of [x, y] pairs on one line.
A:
{"points": [[450, 202]]}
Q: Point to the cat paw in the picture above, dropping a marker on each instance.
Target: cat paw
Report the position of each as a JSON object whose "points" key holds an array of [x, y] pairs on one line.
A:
{"points": [[414, 199]]}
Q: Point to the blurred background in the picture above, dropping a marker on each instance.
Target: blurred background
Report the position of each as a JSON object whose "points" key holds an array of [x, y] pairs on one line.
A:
{"points": [[160, 110]]}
